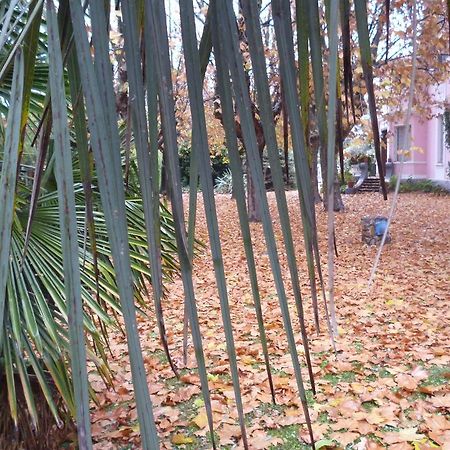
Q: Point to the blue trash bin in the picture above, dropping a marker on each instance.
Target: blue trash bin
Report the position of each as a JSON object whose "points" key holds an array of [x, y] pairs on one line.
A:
{"points": [[380, 224]]}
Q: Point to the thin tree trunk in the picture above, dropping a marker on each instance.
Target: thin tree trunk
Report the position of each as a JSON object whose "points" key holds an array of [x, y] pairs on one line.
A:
{"points": [[285, 139], [338, 203]]}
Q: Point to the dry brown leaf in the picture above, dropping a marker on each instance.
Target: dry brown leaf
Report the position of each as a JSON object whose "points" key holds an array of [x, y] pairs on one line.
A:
{"points": [[440, 437], [407, 382], [201, 419], [229, 434], [345, 438], [437, 423], [440, 401], [261, 440], [419, 373], [403, 435]]}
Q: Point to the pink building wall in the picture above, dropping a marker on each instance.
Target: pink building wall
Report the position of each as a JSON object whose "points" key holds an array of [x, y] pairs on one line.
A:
{"points": [[426, 139]]}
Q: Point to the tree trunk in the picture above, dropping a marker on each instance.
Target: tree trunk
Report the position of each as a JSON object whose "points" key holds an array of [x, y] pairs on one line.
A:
{"points": [[338, 203], [253, 206], [48, 435]]}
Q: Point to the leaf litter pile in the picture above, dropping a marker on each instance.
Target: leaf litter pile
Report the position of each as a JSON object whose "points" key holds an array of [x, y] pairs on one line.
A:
{"points": [[387, 387]]}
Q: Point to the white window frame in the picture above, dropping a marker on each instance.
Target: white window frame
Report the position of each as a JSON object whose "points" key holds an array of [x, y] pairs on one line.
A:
{"points": [[406, 158], [441, 142]]}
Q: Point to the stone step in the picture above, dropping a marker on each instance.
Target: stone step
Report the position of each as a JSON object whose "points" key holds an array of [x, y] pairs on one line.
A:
{"points": [[371, 184]]}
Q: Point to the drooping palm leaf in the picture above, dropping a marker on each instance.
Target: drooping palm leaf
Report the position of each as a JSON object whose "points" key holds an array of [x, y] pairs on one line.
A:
{"points": [[251, 12], [155, 16], [99, 93], [68, 226]]}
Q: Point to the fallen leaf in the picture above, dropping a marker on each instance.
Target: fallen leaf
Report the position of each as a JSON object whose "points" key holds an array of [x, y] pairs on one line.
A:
{"points": [[419, 373], [440, 401], [201, 420], [179, 439], [403, 435], [407, 382], [345, 438]]}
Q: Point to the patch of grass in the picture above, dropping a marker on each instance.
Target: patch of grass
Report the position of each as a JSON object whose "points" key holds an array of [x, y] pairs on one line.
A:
{"points": [[368, 406], [189, 409], [389, 428], [174, 382], [261, 410], [279, 372], [359, 347], [437, 375], [416, 396], [380, 372], [323, 418], [160, 355], [310, 397], [375, 438], [289, 435], [372, 377], [264, 409], [342, 377], [200, 442], [324, 363], [385, 373]]}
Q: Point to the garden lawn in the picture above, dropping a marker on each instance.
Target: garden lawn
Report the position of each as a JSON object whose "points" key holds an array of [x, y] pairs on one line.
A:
{"points": [[387, 387]]}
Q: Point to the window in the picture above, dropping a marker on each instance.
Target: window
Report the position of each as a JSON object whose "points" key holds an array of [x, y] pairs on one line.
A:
{"points": [[401, 143]]}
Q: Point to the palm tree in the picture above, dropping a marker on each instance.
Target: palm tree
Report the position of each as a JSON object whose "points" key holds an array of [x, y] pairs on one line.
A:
{"points": [[88, 236]]}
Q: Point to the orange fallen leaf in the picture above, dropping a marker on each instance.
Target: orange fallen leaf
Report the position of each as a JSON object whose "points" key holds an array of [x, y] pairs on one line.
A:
{"points": [[201, 420], [440, 401], [437, 423], [229, 433], [179, 439]]}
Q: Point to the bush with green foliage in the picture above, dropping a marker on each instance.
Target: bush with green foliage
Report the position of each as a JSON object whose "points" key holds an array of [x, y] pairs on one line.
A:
{"points": [[219, 164], [224, 183], [420, 185]]}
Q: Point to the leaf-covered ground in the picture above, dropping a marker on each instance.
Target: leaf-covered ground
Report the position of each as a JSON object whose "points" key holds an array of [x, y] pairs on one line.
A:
{"points": [[388, 385]]}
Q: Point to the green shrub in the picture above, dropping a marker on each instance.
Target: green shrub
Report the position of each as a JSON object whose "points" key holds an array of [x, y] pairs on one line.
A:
{"points": [[224, 183], [412, 185], [428, 186], [219, 164], [392, 182]]}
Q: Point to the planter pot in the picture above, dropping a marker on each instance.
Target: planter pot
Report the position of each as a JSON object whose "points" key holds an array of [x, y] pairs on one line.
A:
{"points": [[350, 184], [355, 170], [389, 169], [364, 169]]}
